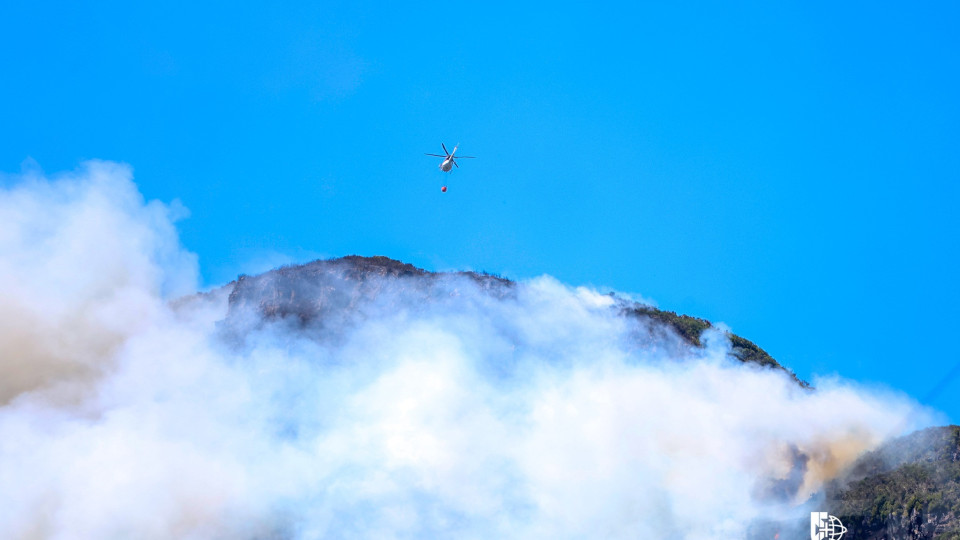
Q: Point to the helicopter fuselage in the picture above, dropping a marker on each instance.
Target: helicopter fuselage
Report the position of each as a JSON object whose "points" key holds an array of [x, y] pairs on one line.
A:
{"points": [[449, 158]]}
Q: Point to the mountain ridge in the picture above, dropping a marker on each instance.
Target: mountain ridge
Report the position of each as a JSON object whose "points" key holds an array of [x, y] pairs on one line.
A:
{"points": [[907, 488], [305, 292]]}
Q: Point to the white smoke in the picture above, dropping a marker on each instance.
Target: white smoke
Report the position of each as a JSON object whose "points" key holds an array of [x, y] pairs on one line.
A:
{"points": [[83, 264], [531, 416]]}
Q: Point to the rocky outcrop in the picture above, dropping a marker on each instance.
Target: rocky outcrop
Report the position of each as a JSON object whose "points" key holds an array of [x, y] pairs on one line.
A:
{"points": [[908, 489]]}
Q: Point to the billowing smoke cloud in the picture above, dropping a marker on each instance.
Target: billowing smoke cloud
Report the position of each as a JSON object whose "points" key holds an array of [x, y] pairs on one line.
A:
{"points": [[124, 414], [83, 262]]}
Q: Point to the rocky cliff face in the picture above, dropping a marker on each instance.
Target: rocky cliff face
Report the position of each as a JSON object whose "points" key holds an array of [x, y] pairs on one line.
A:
{"points": [[907, 489]]}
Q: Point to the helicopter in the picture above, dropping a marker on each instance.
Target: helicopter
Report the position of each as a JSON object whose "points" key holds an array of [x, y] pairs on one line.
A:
{"points": [[449, 161]]}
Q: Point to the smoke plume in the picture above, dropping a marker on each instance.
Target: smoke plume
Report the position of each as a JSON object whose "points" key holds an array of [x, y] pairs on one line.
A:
{"points": [[128, 411]]}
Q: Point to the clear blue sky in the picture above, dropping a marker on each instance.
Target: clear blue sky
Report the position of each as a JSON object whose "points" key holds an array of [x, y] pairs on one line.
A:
{"points": [[789, 169]]}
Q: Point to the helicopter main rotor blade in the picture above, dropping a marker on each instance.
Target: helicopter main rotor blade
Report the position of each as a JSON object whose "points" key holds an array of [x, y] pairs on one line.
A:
{"points": [[434, 155], [455, 165], [445, 149], [468, 157]]}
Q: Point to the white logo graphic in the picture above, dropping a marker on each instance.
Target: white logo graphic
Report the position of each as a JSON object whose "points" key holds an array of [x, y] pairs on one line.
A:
{"points": [[823, 526]]}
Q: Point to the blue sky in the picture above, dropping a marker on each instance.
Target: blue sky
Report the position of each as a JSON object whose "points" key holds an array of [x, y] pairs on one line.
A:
{"points": [[790, 170]]}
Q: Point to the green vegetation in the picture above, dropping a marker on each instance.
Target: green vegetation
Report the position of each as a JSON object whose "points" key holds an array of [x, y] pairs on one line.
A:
{"points": [[908, 489], [689, 328], [748, 351]]}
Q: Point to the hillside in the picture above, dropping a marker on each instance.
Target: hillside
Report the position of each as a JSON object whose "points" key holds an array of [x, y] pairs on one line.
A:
{"points": [[323, 292], [907, 489]]}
